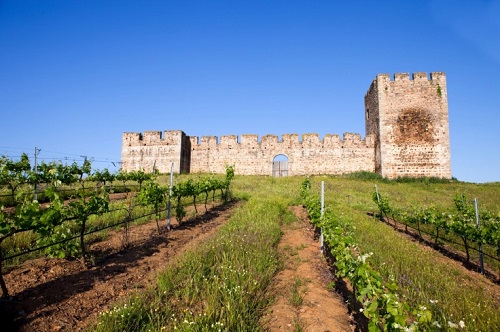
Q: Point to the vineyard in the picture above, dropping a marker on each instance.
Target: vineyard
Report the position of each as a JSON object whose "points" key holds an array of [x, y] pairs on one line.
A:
{"points": [[60, 219], [405, 255], [398, 280], [444, 227]]}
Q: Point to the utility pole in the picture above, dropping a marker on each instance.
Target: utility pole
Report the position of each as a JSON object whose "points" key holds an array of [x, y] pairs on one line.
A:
{"points": [[35, 196], [169, 213], [481, 257]]}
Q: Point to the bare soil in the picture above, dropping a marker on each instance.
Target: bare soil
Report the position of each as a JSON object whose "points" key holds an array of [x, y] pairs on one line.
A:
{"points": [[303, 301]]}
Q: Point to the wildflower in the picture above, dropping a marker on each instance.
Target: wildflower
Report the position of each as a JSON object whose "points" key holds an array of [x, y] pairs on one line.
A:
{"points": [[452, 325], [436, 324], [364, 257], [461, 324]]}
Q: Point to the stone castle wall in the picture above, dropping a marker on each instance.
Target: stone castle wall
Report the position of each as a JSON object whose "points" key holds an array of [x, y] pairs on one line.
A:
{"points": [[410, 120], [155, 149], [406, 135], [307, 156]]}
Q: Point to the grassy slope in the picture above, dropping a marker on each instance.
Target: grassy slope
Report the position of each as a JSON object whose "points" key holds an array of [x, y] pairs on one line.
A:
{"points": [[221, 284], [423, 275], [203, 279]]}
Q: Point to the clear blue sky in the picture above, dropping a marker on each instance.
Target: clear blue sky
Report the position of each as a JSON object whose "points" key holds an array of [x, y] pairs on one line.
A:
{"points": [[75, 75]]}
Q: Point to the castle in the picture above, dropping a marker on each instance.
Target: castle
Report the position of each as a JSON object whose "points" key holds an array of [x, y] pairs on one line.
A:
{"points": [[407, 134]]}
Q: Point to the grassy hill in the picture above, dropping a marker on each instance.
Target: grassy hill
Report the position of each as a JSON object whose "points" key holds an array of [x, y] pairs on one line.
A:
{"points": [[223, 284], [458, 298], [424, 275]]}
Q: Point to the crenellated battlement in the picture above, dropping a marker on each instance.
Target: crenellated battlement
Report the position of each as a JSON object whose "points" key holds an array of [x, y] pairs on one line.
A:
{"points": [[168, 137], [416, 77], [406, 118], [286, 139], [250, 153]]}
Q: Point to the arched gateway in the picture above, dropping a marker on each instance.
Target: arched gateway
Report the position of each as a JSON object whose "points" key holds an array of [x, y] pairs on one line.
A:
{"points": [[280, 166]]}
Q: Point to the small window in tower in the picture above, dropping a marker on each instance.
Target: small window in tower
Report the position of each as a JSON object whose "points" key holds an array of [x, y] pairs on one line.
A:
{"points": [[367, 114]]}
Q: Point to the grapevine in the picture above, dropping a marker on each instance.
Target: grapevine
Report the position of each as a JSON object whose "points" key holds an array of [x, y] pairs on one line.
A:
{"points": [[54, 224], [385, 310], [155, 195], [459, 220]]}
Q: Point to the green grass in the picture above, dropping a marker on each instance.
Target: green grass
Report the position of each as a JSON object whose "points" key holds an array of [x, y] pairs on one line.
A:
{"points": [[222, 283], [296, 298]]}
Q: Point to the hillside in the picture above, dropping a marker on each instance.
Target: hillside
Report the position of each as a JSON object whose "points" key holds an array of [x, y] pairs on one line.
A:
{"points": [[253, 246]]}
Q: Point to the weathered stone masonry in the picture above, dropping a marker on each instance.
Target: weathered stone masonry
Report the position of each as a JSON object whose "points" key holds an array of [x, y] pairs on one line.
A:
{"points": [[406, 135], [409, 118]]}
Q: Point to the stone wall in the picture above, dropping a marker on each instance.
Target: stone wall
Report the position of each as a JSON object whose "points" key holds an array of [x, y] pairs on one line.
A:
{"points": [[310, 155], [407, 134]]}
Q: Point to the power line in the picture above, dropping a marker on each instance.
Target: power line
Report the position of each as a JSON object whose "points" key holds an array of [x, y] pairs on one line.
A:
{"points": [[99, 159], [45, 156], [14, 148]]}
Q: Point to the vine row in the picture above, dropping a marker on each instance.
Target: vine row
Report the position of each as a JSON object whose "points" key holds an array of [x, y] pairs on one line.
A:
{"points": [[460, 220], [55, 221], [381, 305]]}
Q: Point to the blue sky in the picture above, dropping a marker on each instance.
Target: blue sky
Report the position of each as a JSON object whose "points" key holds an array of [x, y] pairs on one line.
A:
{"points": [[75, 75]]}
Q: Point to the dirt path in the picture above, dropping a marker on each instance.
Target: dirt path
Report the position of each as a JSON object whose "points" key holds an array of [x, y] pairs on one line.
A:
{"points": [[59, 295], [303, 302]]}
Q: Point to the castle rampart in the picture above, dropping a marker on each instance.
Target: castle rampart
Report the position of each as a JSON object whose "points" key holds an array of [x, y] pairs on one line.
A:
{"points": [[406, 135]]}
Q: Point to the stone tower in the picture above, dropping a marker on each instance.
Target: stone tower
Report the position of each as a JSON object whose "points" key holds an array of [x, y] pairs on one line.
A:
{"points": [[409, 120], [156, 150]]}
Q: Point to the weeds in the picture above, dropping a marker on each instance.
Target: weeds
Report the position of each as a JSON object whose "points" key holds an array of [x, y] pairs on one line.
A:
{"points": [[218, 286], [296, 298]]}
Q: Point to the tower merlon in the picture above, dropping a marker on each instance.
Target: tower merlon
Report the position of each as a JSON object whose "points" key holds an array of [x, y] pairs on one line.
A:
{"points": [[310, 138], [401, 77]]}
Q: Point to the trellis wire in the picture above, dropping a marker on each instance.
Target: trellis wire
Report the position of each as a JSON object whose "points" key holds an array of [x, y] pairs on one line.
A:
{"points": [[126, 221]]}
